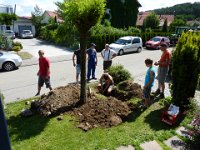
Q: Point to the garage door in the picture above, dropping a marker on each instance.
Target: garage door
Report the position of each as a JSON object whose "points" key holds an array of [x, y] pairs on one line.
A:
{"points": [[21, 28]]}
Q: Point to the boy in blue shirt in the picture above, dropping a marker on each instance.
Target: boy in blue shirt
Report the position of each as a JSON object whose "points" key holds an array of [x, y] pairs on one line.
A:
{"points": [[149, 81]]}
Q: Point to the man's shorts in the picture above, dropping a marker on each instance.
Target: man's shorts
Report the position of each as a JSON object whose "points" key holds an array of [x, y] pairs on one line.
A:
{"points": [[147, 92], [78, 69], [162, 74], [42, 80]]}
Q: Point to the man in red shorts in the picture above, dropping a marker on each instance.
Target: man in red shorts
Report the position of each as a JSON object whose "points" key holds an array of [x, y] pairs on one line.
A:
{"points": [[44, 72]]}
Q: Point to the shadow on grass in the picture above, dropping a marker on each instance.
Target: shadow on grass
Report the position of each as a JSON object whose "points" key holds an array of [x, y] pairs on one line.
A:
{"points": [[154, 120], [22, 128], [133, 116]]}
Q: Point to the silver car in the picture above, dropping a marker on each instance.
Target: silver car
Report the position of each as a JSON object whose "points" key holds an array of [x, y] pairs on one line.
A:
{"points": [[9, 61], [26, 34], [127, 44], [10, 34]]}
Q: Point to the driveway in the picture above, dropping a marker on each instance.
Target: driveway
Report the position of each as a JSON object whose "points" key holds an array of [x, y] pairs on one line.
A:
{"points": [[51, 50]]}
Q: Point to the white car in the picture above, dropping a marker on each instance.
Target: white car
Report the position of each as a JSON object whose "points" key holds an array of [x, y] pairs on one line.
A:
{"points": [[26, 34], [9, 61], [127, 44]]}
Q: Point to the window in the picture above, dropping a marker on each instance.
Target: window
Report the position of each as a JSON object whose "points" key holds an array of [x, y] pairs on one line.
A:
{"points": [[136, 40]]}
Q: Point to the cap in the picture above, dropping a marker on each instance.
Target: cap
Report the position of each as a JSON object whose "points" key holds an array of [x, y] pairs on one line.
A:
{"points": [[92, 44], [163, 45]]}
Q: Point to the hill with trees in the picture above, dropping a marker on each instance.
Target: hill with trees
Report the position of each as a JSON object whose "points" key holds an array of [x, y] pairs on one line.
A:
{"points": [[185, 11]]}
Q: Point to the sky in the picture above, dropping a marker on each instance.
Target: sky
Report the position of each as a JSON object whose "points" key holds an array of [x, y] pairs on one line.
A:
{"points": [[25, 7]]}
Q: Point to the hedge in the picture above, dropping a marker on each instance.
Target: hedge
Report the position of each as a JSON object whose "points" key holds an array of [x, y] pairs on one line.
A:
{"points": [[101, 40]]}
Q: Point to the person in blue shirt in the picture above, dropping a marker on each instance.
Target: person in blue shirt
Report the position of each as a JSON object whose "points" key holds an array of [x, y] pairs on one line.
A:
{"points": [[92, 62], [149, 81]]}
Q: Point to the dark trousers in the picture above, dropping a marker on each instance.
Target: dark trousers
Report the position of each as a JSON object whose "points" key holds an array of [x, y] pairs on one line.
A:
{"points": [[106, 64], [91, 69]]}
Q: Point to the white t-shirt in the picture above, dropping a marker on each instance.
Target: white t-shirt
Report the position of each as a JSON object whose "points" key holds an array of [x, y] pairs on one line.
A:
{"points": [[107, 54]]}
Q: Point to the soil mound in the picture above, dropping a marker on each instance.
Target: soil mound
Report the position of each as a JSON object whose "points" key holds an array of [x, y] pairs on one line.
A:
{"points": [[58, 101], [94, 113], [101, 113]]}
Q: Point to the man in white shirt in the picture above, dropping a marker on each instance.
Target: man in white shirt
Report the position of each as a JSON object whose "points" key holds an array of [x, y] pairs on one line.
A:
{"points": [[107, 55]]}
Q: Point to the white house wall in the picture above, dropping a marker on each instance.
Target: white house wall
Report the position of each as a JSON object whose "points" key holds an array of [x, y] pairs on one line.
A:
{"points": [[46, 18], [20, 22]]}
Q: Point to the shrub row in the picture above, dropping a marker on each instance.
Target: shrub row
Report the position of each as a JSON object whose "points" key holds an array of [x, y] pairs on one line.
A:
{"points": [[100, 40], [100, 35]]}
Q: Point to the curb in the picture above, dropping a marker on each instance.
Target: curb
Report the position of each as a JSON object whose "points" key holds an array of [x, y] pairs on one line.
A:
{"points": [[55, 59], [34, 61]]}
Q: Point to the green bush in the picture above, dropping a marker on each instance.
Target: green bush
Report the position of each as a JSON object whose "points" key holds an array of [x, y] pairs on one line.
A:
{"points": [[119, 74], [16, 48], [186, 68], [18, 44], [198, 86]]}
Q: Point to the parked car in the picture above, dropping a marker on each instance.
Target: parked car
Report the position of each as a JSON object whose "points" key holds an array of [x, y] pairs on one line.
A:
{"points": [[9, 61], [127, 44], [26, 34], [173, 39], [10, 34], [155, 42]]}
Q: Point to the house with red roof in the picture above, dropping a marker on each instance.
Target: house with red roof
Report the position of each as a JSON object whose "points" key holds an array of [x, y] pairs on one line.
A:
{"points": [[142, 15], [51, 15]]}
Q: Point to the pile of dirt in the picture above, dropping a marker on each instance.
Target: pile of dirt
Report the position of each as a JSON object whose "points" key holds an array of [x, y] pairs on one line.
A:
{"points": [[101, 113], [127, 89], [94, 113], [58, 101]]}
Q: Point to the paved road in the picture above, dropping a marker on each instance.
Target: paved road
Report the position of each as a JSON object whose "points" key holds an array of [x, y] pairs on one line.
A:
{"points": [[33, 45], [22, 83]]}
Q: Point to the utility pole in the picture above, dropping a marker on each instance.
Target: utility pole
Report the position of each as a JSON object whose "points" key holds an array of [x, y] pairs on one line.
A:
{"points": [[13, 20]]}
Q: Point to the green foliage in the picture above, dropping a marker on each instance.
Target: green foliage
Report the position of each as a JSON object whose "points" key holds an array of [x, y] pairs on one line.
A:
{"points": [[122, 14], [151, 21], [133, 30], [176, 23], [165, 28], [37, 17], [18, 44], [84, 13], [166, 101], [119, 73], [102, 30], [7, 19], [186, 68], [16, 48], [198, 86]]}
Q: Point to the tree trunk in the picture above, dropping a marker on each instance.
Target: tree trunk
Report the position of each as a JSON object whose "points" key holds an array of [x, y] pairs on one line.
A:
{"points": [[83, 47]]}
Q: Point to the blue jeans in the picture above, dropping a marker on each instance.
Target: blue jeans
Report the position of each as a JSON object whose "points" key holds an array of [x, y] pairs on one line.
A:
{"points": [[91, 69]]}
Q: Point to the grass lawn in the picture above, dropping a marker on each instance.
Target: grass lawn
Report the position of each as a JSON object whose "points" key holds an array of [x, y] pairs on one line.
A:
{"points": [[40, 133]]}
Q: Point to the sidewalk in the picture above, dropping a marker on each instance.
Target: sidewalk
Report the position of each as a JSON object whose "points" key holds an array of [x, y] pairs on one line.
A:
{"points": [[66, 57], [34, 60]]}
